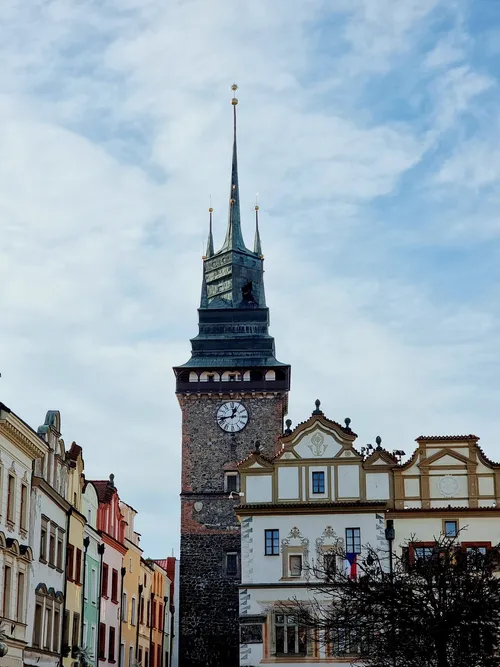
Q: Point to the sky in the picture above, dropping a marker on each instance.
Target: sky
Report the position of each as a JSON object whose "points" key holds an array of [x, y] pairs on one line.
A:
{"points": [[370, 130]]}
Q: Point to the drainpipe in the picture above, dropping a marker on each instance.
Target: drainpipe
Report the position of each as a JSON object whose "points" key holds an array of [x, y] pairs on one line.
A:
{"points": [[165, 599], [68, 514], [123, 572], [100, 550], [86, 543], [151, 628], [138, 620]]}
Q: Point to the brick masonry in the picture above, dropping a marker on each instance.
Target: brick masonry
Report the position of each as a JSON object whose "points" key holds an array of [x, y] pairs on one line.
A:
{"points": [[209, 627]]}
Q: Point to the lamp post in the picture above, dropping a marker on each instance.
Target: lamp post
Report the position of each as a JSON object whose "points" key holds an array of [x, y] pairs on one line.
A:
{"points": [[390, 535]]}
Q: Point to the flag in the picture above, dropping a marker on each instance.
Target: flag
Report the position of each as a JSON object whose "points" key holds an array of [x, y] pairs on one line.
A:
{"points": [[350, 565]]}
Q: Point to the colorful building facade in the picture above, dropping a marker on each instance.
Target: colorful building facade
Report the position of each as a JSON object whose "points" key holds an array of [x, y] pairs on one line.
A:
{"points": [[131, 593], [92, 573]]}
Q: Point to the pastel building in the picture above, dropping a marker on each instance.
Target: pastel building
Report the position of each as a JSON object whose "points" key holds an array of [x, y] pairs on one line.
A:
{"points": [[73, 618], [317, 501], [91, 575], [145, 627], [20, 447], [49, 522], [132, 588], [111, 527]]}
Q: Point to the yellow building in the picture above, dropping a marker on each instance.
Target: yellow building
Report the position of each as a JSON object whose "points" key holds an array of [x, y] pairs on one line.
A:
{"points": [[160, 590], [131, 593], [74, 561], [145, 629]]}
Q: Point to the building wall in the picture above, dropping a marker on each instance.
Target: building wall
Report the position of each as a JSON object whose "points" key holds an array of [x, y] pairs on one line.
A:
{"points": [[20, 446], [110, 604], [90, 505], [209, 530]]}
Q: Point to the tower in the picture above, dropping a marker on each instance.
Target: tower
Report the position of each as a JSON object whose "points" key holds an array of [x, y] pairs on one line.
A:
{"points": [[233, 397]]}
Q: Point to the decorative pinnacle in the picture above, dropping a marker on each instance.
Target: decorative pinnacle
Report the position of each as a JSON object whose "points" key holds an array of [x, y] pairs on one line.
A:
{"points": [[378, 440], [347, 423], [210, 241], [317, 403], [234, 88]]}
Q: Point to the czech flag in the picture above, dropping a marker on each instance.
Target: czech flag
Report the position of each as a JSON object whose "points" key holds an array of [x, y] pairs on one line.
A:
{"points": [[350, 565]]}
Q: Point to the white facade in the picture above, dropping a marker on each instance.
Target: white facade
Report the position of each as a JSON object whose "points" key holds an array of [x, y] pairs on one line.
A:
{"points": [[317, 499], [20, 446], [48, 536]]}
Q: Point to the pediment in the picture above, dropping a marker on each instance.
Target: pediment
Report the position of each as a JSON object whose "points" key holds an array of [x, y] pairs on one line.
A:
{"points": [[446, 456], [255, 462], [380, 458]]}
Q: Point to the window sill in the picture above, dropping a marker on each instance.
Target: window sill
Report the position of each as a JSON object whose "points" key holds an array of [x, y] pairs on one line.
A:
{"points": [[271, 554], [52, 566], [104, 597], [111, 661], [60, 570], [114, 601], [43, 560]]}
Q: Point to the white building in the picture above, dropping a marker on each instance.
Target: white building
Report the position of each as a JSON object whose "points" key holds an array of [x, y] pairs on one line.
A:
{"points": [[316, 499], [20, 446], [48, 535]]}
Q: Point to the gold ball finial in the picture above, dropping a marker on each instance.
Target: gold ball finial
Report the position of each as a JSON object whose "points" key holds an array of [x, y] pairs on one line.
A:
{"points": [[256, 207], [210, 210], [234, 88]]}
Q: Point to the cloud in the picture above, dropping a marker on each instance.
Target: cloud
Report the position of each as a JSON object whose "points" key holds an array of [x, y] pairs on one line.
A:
{"points": [[367, 129]]}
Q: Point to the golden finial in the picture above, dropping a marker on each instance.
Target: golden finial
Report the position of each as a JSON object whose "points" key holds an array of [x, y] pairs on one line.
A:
{"points": [[210, 210], [234, 88], [257, 201]]}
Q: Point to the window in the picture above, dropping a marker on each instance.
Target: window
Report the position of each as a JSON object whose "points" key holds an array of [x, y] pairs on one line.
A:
{"points": [[47, 642], [476, 547], [130, 656], [139, 658], [153, 622], [141, 608], [76, 629], [7, 591], [11, 499], [104, 586], [318, 480], [114, 585], [92, 641], [122, 655], [232, 481], [60, 552], [146, 658], [65, 640], [148, 617], [43, 540], [124, 607], [134, 611], [451, 528], [102, 640], [93, 585], [158, 656], [272, 540], [24, 507], [57, 622], [69, 568], [130, 565], [295, 563], [329, 565], [290, 638], [111, 646], [353, 540], [37, 629], [78, 571], [84, 638], [232, 564], [20, 597], [153, 654], [52, 546]]}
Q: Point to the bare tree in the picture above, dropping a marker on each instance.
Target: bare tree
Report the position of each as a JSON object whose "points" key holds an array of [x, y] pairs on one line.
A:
{"points": [[437, 607]]}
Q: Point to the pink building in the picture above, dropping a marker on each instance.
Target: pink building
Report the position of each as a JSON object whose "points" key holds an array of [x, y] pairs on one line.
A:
{"points": [[111, 527]]}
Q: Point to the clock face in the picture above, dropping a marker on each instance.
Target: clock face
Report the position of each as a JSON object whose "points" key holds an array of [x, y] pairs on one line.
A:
{"points": [[232, 416]]}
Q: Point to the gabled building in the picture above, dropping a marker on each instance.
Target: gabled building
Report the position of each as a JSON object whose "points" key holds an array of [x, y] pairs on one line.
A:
{"points": [[317, 501], [145, 634], [91, 575], [20, 447], [111, 528], [132, 588], [49, 525], [449, 486], [73, 616]]}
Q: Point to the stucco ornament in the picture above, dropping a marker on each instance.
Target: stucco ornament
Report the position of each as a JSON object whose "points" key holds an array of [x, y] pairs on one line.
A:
{"points": [[198, 506], [448, 486], [317, 445], [296, 536]]}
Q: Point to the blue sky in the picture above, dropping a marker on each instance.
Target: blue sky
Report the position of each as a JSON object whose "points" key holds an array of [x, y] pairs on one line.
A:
{"points": [[370, 130]]}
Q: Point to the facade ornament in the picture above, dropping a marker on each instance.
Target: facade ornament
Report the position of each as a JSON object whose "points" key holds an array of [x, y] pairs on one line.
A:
{"points": [[318, 446], [448, 486]]}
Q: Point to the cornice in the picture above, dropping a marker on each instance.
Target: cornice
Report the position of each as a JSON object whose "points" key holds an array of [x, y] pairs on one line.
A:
{"points": [[19, 435], [42, 484], [110, 541], [316, 508]]}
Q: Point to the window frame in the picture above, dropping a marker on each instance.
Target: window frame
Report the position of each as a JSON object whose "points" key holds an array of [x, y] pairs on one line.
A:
{"points": [[104, 581], [318, 482], [7, 588], [271, 539], [11, 498], [114, 586], [291, 569], [43, 539], [24, 513], [111, 643], [351, 538], [231, 573], [450, 521], [285, 624], [70, 562], [227, 486]]}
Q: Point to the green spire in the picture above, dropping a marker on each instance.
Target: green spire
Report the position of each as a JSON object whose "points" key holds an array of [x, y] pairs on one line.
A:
{"points": [[234, 237], [210, 242], [257, 248]]}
